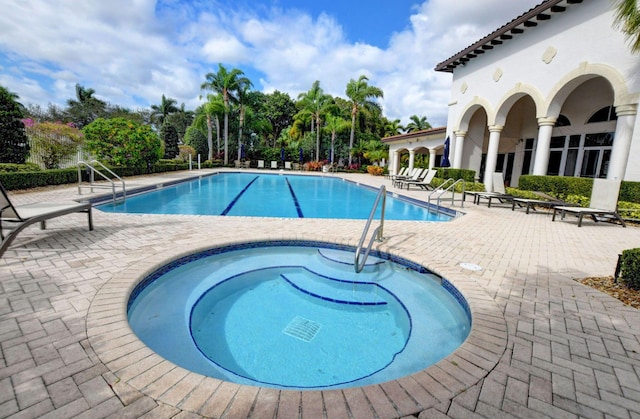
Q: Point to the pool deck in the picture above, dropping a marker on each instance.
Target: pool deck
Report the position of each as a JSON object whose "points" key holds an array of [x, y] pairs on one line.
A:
{"points": [[541, 345]]}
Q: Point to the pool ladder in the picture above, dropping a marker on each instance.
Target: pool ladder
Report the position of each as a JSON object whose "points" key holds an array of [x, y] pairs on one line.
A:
{"points": [[92, 170], [377, 233]]}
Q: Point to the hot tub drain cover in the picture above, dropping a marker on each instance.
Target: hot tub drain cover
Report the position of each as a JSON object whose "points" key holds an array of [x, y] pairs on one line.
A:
{"points": [[301, 328]]}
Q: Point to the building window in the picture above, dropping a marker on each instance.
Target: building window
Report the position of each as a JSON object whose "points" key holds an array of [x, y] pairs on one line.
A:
{"points": [[607, 113], [562, 121]]}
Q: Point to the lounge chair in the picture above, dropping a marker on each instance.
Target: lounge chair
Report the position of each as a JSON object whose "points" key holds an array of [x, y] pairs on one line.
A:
{"points": [[425, 183], [274, 164], [401, 173], [498, 193], [246, 164], [287, 165], [260, 164], [416, 175], [603, 203], [25, 215], [238, 164]]}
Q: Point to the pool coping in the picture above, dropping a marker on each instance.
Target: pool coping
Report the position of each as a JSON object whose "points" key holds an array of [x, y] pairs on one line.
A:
{"points": [[136, 368]]}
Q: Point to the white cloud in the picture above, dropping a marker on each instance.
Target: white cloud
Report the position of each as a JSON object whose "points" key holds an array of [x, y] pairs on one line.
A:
{"points": [[133, 52]]}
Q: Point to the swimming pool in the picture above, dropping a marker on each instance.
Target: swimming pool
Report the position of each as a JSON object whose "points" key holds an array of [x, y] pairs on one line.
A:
{"points": [[295, 315], [273, 195]]}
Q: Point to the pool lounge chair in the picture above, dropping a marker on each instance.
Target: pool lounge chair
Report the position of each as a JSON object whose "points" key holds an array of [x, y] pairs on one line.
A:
{"points": [[425, 183], [417, 175], [274, 164], [287, 165], [25, 215], [499, 193], [401, 173], [238, 164], [260, 164], [603, 203]]}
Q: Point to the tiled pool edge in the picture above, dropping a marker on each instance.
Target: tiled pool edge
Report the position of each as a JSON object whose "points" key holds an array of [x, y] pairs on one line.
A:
{"points": [[134, 367]]}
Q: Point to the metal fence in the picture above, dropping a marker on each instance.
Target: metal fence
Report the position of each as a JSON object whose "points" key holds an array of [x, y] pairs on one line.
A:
{"points": [[37, 155]]}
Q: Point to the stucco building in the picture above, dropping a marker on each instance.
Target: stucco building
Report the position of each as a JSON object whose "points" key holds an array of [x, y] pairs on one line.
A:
{"points": [[553, 92]]}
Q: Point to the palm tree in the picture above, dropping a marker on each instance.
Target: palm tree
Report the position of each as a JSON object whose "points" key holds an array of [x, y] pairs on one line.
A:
{"points": [[85, 108], [209, 113], [315, 103], [242, 99], [226, 83], [166, 107], [392, 128], [418, 123], [628, 17], [360, 94], [335, 124]]}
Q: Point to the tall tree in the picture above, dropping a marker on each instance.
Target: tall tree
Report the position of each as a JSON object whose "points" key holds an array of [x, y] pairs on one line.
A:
{"points": [[207, 115], [278, 109], [335, 124], [14, 146], [315, 103], [166, 107], [361, 95], [226, 83], [85, 108], [418, 123]]}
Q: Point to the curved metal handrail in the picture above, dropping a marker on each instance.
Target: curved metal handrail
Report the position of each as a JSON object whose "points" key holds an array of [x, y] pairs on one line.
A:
{"points": [[107, 178], [377, 232]]}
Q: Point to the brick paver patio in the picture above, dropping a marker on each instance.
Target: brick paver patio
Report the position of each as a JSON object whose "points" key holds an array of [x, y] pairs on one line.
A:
{"points": [[542, 345]]}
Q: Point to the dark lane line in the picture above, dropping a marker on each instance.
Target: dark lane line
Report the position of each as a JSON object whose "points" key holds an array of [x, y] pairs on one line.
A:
{"points": [[295, 198], [226, 210]]}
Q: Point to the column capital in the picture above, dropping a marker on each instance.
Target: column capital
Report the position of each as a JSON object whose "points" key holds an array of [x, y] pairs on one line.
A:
{"points": [[496, 128], [547, 121], [626, 110], [460, 133]]}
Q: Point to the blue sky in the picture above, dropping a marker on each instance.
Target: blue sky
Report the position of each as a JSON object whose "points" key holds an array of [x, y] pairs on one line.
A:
{"points": [[131, 52]]}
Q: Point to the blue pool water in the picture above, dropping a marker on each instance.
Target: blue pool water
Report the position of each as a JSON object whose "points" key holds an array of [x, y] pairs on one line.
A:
{"points": [[272, 195], [296, 315]]}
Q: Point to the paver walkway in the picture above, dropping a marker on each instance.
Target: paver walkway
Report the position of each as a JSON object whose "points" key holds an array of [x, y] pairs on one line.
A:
{"points": [[543, 345]]}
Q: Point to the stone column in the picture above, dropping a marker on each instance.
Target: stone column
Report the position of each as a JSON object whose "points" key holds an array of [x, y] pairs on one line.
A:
{"points": [[458, 147], [541, 159], [412, 157], [492, 155], [622, 141], [432, 158]]}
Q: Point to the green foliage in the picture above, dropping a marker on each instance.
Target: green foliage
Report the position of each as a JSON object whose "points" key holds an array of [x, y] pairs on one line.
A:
{"points": [[630, 191], [630, 268], [169, 136], [558, 186], [13, 167], [54, 141], [120, 142], [185, 151], [198, 140], [447, 172], [14, 147], [26, 180]]}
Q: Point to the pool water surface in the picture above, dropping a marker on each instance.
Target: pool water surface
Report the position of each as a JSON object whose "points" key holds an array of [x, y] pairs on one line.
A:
{"points": [[258, 194], [297, 316]]}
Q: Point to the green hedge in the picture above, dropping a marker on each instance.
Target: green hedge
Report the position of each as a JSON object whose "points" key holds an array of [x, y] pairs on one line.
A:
{"points": [[27, 180], [447, 172], [630, 268], [14, 167], [562, 187]]}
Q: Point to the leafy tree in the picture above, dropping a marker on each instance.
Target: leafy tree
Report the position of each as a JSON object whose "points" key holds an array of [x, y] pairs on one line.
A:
{"points": [[206, 116], [628, 18], [181, 120], [227, 84], [278, 108], [14, 145], [121, 142], [195, 138], [375, 151], [418, 123], [392, 128], [335, 124], [361, 95], [160, 112], [315, 103], [85, 107], [54, 141], [169, 137]]}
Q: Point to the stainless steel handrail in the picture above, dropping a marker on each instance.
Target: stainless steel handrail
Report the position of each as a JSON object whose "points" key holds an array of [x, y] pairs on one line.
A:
{"points": [[377, 233], [92, 178], [442, 190]]}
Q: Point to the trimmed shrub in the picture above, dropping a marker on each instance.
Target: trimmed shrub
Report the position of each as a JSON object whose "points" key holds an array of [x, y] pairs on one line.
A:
{"points": [[14, 167], [27, 180], [446, 173], [630, 268], [375, 170]]}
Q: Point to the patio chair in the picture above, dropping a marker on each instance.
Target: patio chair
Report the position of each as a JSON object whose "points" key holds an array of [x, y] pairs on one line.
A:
{"points": [[260, 164], [547, 202], [401, 173], [425, 183], [498, 193], [416, 175], [603, 203], [25, 215], [287, 165], [238, 164], [274, 164]]}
